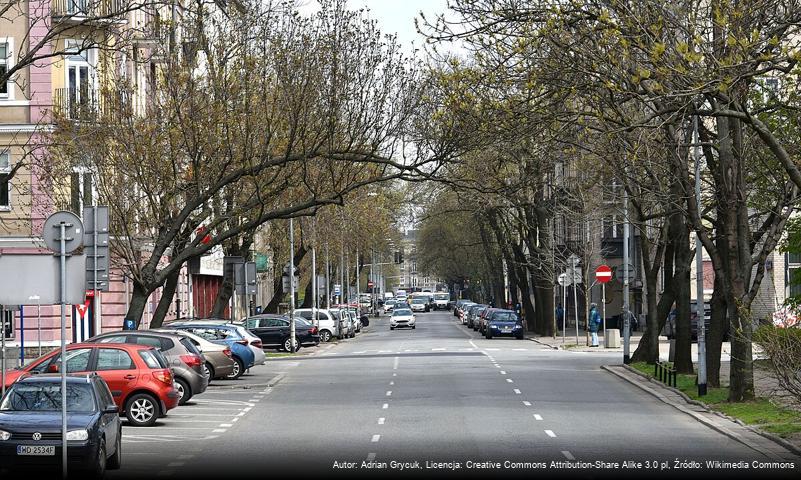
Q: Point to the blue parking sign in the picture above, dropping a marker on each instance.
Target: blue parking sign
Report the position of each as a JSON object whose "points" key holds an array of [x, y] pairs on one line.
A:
{"points": [[129, 324]]}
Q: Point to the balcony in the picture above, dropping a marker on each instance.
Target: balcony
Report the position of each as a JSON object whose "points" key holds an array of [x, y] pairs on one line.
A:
{"points": [[88, 105], [78, 11]]}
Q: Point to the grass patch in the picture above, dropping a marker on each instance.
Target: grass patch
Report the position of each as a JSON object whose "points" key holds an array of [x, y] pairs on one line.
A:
{"points": [[279, 354], [760, 412]]}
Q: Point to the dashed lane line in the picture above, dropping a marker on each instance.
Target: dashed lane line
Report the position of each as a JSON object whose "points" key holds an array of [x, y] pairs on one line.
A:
{"points": [[389, 393], [568, 455], [517, 391], [550, 433], [526, 403], [510, 380], [503, 372], [537, 417], [370, 457], [381, 420], [385, 406], [376, 438]]}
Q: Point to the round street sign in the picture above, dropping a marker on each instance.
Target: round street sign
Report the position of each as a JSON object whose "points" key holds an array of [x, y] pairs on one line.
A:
{"points": [[564, 279], [369, 284], [51, 231], [603, 274]]}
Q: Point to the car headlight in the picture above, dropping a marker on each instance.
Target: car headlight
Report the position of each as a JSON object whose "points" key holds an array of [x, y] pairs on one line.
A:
{"points": [[78, 435], [496, 327], [4, 435]]}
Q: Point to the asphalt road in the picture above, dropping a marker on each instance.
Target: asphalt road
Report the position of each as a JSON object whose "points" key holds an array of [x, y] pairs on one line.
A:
{"points": [[439, 393]]}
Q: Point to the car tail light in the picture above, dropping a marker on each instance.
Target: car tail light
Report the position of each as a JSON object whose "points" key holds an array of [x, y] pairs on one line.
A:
{"points": [[242, 342], [164, 376], [256, 343], [228, 352], [192, 360], [313, 331]]}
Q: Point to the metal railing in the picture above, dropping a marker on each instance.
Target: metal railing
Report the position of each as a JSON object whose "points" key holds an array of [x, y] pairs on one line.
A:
{"points": [[82, 9], [665, 373], [87, 104]]}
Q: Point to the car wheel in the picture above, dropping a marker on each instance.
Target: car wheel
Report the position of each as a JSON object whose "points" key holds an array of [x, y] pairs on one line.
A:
{"points": [[98, 470], [414, 326], [488, 334], [115, 461], [184, 391], [392, 328], [288, 344], [325, 336], [142, 410], [520, 337], [208, 370], [239, 369]]}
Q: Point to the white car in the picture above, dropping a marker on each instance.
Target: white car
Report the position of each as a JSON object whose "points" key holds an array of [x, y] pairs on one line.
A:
{"points": [[419, 304], [327, 322], [389, 305], [254, 343], [402, 318], [441, 300]]}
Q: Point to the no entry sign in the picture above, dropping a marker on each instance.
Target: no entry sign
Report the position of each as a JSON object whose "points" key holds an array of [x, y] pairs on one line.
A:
{"points": [[603, 274]]}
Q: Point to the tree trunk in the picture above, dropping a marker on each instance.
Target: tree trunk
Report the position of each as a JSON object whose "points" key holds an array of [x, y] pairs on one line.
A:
{"points": [[648, 348], [680, 236], [223, 297], [139, 298], [278, 285], [308, 297], [167, 295], [714, 338]]}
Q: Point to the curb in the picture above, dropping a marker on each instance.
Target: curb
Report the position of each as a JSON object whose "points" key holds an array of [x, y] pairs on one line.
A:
{"points": [[553, 347], [698, 417], [247, 386]]}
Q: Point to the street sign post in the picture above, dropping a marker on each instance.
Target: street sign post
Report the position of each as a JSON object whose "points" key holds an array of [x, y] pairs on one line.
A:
{"points": [[603, 274]]}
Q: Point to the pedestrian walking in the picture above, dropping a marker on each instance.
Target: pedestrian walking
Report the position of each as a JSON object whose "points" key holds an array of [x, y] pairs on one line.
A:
{"points": [[560, 313], [593, 323]]}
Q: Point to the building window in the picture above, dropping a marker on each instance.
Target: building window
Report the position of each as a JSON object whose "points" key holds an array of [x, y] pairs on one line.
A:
{"points": [[6, 62], [5, 182], [8, 323], [82, 190]]}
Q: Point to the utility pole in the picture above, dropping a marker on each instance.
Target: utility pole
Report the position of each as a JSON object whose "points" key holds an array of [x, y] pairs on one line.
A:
{"points": [[327, 278], [315, 320], [292, 284], [574, 257], [626, 319], [699, 271]]}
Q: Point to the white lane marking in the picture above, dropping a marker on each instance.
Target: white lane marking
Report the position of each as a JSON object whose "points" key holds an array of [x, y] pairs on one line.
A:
{"points": [[240, 414], [395, 365], [254, 400], [493, 349], [226, 424], [199, 414], [510, 380], [550, 433], [381, 420], [247, 409], [517, 391], [375, 438], [370, 457], [359, 352], [537, 417], [385, 406], [389, 393], [394, 374], [503, 372], [568, 455], [520, 349], [235, 419], [176, 464], [497, 366], [526, 403], [437, 349], [218, 430], [385, 351]]}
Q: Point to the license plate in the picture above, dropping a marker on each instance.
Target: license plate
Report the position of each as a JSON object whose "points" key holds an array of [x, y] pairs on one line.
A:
{"points": [[36, 450], [506, 329]]}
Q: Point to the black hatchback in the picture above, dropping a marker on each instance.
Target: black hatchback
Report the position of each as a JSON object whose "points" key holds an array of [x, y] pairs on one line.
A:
{"points": [[273, 330], [30, 424]]}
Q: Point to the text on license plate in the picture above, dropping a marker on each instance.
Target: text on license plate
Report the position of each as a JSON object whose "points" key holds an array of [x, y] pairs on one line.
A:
{"points": [[36, 450]]}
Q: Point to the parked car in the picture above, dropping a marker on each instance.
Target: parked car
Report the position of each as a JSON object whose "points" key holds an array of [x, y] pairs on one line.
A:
{"points": [[218, 359], [327, 321], [225, 334], [419, 304], [463, 312], [30, 424], [138, 376], [346, 322], [254, 342], [402, 318], [503, 323], [182, 356], [670, 325], [273, 330], [471, 311], [389, 305], [457, 308], [481, 320]]}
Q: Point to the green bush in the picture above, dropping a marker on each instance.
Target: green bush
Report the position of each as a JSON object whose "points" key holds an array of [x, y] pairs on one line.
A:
{"points": [[783, 349]]}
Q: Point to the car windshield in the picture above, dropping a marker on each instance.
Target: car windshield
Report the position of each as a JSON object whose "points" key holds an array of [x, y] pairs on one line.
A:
{"points": [[402, 312], [504, 317], [46, 397], [301, 322], [441, 296], [419, 300]]}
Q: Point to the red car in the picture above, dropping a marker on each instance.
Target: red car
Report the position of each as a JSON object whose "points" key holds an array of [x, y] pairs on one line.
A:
{"points": [[137, 375]]}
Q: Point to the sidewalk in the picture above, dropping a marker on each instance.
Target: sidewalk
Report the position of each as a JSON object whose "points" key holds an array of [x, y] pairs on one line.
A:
{"points": [[568, 342]]}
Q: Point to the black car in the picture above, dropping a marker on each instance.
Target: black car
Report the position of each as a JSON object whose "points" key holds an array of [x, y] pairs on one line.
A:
{"points": [[273, 330], [30, 424]]}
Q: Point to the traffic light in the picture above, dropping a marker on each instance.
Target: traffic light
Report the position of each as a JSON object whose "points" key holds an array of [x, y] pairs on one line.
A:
{"points": [[400, 257]]}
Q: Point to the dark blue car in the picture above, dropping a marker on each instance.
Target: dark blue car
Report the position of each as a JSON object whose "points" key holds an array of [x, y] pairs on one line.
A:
{"points": [[504, 323], [225, 334], [30, 424]]}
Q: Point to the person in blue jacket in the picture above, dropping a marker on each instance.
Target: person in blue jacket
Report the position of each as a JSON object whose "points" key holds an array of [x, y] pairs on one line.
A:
{"points": [[593, 323]]}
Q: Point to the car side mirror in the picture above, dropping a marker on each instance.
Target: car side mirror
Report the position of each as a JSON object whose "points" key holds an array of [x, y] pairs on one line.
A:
{"points": [[52, 368], [111, 409]]}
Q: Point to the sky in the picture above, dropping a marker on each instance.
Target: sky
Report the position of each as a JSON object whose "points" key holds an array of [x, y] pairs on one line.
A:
{"points": [[394, 16]]}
